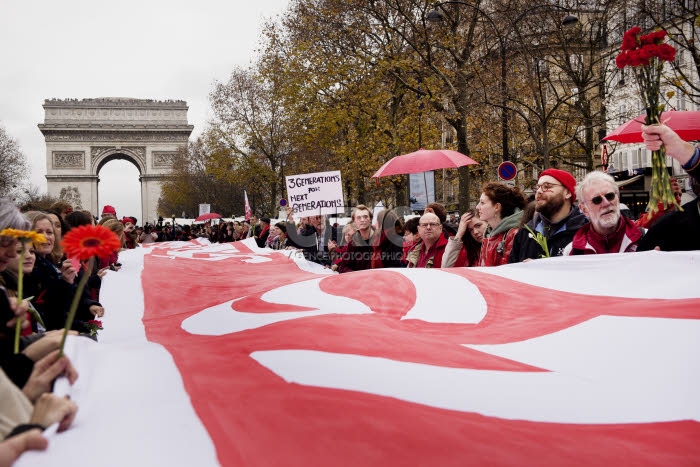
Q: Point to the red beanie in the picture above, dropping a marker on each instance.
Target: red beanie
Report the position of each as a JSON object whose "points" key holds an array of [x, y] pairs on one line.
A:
{"points": [[109, 210], [565, 178]]}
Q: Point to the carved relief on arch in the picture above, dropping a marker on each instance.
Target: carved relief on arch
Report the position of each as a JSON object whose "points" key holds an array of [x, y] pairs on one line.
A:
{"points": [[163, 158], [136, 153], [68, 159]]}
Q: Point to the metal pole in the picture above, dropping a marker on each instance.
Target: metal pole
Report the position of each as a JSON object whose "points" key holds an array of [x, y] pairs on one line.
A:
{"points": [[504, 102]]}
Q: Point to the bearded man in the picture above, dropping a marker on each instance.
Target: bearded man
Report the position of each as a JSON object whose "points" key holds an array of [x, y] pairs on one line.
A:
{"points": [[608, 231], [556, 218]]}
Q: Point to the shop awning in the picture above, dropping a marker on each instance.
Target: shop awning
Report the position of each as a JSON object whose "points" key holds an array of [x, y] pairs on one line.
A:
{"points": [[629, 180]]}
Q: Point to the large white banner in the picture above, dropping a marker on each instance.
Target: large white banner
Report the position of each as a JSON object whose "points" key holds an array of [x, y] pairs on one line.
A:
{"points": [[316, 193], [590, 360]]}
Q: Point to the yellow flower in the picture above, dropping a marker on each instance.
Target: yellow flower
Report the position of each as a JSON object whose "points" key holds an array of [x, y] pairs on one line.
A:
{"points": [[24, 235]]}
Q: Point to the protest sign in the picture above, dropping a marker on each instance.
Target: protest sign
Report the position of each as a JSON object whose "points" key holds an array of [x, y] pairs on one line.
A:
{"points": [[315, 193]]}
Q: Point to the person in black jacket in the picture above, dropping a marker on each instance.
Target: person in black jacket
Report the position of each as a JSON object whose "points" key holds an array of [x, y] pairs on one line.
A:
{"points": [[261, 237], [677, 230], [555, 217], [312, 242]]}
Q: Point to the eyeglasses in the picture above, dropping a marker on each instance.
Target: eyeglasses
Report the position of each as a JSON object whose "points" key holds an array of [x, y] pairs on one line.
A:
{"points": [[546, 186], [432, 225], [599, 199]]}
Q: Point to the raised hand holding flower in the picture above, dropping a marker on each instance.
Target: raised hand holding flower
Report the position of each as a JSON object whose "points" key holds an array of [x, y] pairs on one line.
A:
{"points": [[84, 243], [647, 54]]}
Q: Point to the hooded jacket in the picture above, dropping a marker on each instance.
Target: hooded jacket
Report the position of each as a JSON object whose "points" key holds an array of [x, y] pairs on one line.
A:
{"points": [[498, 242]]}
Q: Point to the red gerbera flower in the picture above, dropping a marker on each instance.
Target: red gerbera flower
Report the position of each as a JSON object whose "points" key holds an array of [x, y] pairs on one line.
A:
{"points": [[87, 241]]}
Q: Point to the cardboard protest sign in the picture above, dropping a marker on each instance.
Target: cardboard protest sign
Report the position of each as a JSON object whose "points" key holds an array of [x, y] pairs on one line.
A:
{"points": [[315, 193]]}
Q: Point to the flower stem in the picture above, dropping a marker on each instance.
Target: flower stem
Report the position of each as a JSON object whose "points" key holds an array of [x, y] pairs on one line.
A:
{"points": [[541, 241], [74, 304], [20, 280]]}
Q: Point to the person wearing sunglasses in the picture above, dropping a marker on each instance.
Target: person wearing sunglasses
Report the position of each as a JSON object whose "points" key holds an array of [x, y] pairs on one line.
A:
{"points": [[607, 230], [556, 217]]}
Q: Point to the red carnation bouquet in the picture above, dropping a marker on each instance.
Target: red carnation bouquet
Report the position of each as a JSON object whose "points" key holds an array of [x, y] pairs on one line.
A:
{"points": [[93, 326], [646, 54]]}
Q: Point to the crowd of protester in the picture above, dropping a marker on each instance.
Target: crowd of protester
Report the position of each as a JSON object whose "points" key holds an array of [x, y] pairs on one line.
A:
{"points": [[564, 218]]}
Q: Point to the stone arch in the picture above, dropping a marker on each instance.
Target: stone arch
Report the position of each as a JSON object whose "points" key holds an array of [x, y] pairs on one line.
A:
{"points": [[83, 135], [135, 155]]}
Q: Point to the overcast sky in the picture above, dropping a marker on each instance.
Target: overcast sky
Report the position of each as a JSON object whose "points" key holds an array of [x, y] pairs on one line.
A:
{"points": [[147, 49]]}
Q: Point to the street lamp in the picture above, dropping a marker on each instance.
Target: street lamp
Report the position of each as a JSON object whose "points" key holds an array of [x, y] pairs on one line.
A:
{"points": [[435, 16]]}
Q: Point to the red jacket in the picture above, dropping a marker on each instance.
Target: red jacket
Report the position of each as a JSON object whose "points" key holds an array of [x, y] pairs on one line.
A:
{"points": [[418, 258], [495, 250]]}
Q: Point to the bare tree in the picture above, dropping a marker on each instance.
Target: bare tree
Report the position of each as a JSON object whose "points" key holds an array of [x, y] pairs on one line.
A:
{"points": [[193, 181], [252, 129], [14, 169]]}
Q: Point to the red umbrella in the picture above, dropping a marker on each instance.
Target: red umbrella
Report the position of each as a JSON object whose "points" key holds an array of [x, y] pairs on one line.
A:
{"points": [[685, 123], [208, 216], [423, 160]]}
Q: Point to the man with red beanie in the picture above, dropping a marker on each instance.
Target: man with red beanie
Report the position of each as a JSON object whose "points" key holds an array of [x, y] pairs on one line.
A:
{"points": [[556, 217], [109, 211]]}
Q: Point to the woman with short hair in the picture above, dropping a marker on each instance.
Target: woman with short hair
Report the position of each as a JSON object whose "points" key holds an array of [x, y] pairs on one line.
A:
{"points": [[277, 240]]}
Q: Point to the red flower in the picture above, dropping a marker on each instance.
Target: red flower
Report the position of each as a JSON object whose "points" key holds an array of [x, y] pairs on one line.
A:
{"points": [[87, 241], [629, 39], [666, 52], [622, 60], [95, 322], [656, 37], [640, 50]]}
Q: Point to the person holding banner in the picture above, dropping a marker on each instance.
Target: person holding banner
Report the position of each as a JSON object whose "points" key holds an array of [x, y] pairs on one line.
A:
{"points": [[429, 251], [313, 243], [387, 249], [358, 255], [254, 227], [264, 233], [607, 230], [277, 240], [464, 248], [556, 218], [501, 208]]}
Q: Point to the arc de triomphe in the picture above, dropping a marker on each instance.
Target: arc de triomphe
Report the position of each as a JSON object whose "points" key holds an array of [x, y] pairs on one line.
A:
{"points": [[83, 135]]}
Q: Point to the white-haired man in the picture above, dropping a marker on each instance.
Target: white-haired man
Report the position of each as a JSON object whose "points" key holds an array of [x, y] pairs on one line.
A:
{"points": [[607, 230]]}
